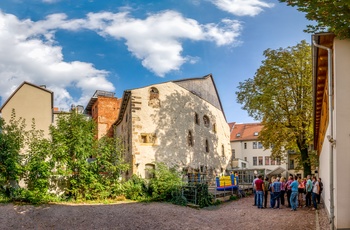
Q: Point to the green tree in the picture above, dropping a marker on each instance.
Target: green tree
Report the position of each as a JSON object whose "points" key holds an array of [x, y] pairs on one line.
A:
{"points": [[280, 95], [11, 142], [330, 15], [38, 165], [91, 166]]}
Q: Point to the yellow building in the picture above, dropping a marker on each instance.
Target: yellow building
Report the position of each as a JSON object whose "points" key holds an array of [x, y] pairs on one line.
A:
{"points": [[29, 102]]}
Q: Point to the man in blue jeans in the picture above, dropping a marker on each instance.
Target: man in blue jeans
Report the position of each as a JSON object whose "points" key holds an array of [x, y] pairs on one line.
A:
{"points": [[276, 189], [294, 195], [259, 186]]}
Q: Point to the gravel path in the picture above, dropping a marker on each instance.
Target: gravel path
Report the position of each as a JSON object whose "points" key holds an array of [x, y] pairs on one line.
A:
{"points": [[238, 215]]}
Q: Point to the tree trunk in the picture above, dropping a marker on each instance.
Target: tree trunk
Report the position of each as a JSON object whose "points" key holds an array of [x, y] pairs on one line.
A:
{"points": [[305, 161]]}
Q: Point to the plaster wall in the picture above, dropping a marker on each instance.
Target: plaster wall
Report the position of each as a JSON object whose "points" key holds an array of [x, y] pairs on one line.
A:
{"points": [[170, 119], [31, 102]]}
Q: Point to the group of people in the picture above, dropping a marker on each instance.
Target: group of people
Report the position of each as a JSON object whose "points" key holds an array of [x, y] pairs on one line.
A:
{"points": [[295, 189]]}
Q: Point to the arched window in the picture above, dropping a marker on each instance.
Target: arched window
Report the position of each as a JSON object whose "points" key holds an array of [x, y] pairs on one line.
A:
{"points": [[153, 93], [207, 146], [190, 138], [222, 151], [206, 121]]}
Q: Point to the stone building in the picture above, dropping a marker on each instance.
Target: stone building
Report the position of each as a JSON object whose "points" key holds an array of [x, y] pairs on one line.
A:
{"points": [[103, 108], [180, 123]]}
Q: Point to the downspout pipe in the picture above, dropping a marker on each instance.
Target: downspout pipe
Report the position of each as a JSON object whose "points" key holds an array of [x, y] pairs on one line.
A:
{"points": [[330, 137]]}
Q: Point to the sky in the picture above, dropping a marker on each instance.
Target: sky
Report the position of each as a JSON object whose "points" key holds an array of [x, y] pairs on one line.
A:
{"points": [[76, 47]]}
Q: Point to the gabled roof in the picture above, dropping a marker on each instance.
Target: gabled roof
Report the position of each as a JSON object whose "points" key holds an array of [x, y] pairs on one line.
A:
{"points": [[244, 132], [184, 83], [30, 84]]}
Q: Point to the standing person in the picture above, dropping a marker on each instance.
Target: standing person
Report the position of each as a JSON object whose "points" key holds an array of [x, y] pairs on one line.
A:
{"points": [[321, 188], [315, 192], [288, 190], [294, 194], [301, 191], [308, 189], [276, 189], [283, 190], [272, 195], [266, 192], [259, 186], [254, 190]]}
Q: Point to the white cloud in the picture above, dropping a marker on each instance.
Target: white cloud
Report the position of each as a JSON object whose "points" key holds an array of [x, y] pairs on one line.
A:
{"points": [[28, 53], [157, 40], [242, 7]]}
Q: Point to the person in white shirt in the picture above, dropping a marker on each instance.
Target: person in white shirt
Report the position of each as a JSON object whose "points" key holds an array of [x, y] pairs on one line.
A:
{"points": [[315, 192]]}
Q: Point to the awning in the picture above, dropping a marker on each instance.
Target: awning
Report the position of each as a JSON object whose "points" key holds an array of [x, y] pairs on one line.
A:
{"points": [[276, 171]]}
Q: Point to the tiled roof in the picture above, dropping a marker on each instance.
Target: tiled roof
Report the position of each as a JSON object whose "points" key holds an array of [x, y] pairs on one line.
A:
{"points": [[244, 132]]}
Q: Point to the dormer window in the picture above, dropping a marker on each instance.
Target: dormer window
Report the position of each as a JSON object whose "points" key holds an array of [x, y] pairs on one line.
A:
{"points": [[238, 135], [256, 133]]}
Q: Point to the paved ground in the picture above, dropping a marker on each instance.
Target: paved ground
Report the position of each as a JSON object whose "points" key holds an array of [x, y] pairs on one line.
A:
{"points": [[238, 215]]}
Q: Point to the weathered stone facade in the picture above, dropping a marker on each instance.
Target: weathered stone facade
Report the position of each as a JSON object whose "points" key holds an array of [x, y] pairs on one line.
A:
{"points": [[179, 123]]}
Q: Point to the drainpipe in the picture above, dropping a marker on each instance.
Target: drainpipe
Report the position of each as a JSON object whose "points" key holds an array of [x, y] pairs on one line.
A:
{"points": [[330, 137]]}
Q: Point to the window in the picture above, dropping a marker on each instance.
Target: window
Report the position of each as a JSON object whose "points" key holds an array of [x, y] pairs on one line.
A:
{"points": [[256, 133], [261, 160], [273, 162], [260, 146], [245, 158], [278, 161], [214, 128], [255, 161], [207, 146], [291, 164], [196, 118], [233, 152], [206, 121], [153, 93], [238, 135], [267, 160], [255, 145], [244, 165], [148, 138], [190, 138], [149, 169], [222, 151], [245, 145]]}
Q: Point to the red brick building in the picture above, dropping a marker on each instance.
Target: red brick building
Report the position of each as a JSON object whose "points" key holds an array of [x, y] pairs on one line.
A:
{"points": [[104, 108]]}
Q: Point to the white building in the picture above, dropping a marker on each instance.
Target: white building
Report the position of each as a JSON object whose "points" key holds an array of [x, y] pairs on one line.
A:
{"points": [[331, 68], [180, 123], [248, 152]]}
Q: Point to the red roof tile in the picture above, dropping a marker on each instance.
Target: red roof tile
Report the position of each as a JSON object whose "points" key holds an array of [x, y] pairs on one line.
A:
{"points": [[240, 132]]}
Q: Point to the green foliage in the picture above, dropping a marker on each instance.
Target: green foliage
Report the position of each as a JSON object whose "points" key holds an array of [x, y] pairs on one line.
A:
{"points": [[11, 142], [92, 167], [280, 94], [233, 197], [165, 181], [205, 198], [330, 15], [136, 189]]}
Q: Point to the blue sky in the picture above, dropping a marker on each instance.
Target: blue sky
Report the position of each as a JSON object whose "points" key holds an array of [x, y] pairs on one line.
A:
{"points": [[75, 47]]}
